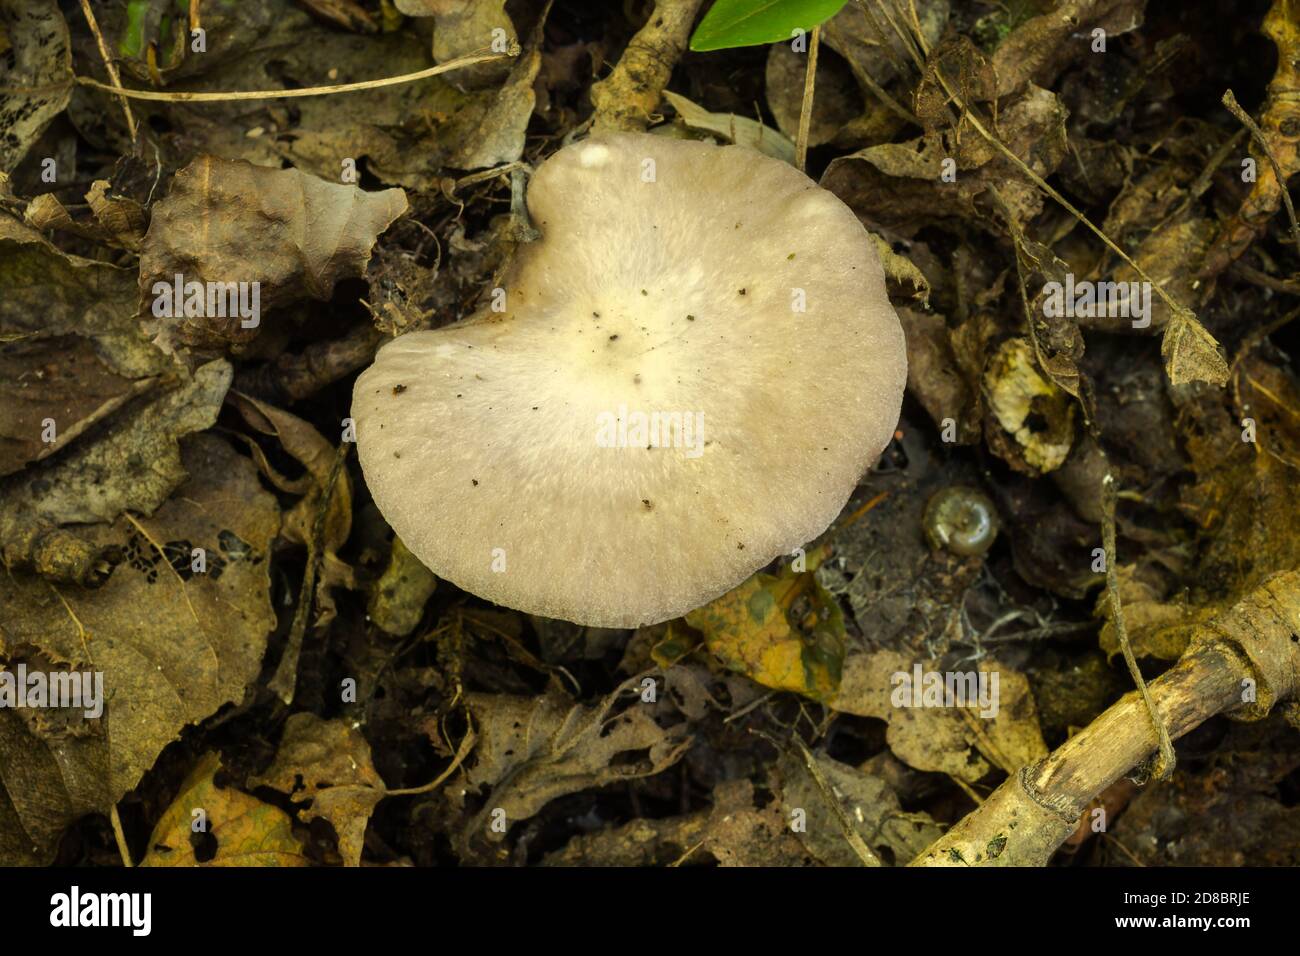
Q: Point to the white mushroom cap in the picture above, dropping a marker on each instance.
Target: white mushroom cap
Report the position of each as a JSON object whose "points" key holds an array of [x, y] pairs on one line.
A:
{"points": [[667, 280]]}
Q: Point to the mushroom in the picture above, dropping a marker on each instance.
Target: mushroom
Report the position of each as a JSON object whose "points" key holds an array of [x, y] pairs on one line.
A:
{"points": [[685, 377]]}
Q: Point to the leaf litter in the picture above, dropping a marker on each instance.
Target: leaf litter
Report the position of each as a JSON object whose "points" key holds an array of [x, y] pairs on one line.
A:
{"points": [[194, 529]]}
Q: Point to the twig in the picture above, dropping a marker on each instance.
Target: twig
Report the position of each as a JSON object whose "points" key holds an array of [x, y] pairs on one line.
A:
{"points": [[109, 65], [120, 837], [1254, 276], [890, 103], [1110, 488], [850, 833], [285, 679], [1206, 176], [1069, 207], [466, 745], [805, 114], [191, 97], [1257, 134], [1025, 820]]}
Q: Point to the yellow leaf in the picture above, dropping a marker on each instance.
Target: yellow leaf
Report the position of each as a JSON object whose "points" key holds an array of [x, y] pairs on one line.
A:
{"points": [[785, 632], [238, 830]]}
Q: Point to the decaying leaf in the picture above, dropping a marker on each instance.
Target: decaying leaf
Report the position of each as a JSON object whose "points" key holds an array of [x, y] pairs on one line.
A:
{"points": [[783, 631], [462, 27], [1030, 419], [177, 631], [1041, 47], [963, 737], [1191, 353], [868, 804], [36, 79], [740, 829], [328, 763], [496, 136], [1279, 122], [837, 97], [938, 177], [212, 229], [134, 465], [737, 129], [397, 599], [238, 830], [934, 378], [532, 750], [49, 294]]}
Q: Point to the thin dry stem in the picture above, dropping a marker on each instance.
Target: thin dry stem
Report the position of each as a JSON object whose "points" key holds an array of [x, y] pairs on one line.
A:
{"points": [[192, 97], [805, 114], [109, 65]]}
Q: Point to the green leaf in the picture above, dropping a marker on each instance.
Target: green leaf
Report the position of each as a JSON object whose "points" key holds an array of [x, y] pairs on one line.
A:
{"points": [[733, 23]]}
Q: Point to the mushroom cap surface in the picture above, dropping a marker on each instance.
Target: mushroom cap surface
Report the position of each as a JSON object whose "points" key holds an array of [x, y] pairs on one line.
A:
{"points": [[692, 370]]}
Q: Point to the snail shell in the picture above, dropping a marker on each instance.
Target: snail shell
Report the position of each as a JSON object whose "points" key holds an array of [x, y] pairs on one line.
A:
{"points": [[961, 519]]}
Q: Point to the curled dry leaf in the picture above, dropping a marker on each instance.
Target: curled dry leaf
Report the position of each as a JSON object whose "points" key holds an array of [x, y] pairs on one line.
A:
{"points": [[736, 129], [934, 378], [1030, 422], [281, 234], [902, 187], [462, 27], [1040, 48], [494, 134], [1191, 353]]}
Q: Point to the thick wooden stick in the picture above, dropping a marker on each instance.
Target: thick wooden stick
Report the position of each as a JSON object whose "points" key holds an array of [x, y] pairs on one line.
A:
{"points": [[1245, 660]]}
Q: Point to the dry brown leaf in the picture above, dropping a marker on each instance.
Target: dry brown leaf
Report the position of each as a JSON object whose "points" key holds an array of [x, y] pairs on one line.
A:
{"points": [[1191, 353], [327, 762], [213, 227], [534, 749], [238, 830], [39, 84], [173, 646], [868, 803]]}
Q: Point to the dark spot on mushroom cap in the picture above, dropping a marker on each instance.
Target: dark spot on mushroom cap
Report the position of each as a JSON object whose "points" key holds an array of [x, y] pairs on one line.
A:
{"points": [[690, 318], [740, 546], [646, 502], [742, 291], [474, 482], [398, 389], [613, 337], [644, 292]]}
